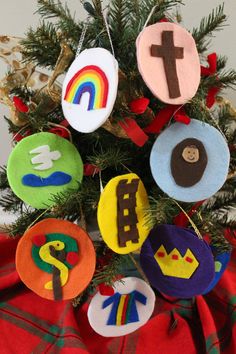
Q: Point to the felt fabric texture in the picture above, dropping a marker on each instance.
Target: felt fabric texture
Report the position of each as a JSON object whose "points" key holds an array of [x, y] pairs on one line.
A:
{"points": [[31, 324], [133, 131], [170, 54], [126, 214], [110, 219], [55, 179], [190, 157], [159, 72], [124, 309], [215, 173], [221, 263], [176, 262], [124, 312], [89, 89], [20, 167], [74, 279], [69, 245]]}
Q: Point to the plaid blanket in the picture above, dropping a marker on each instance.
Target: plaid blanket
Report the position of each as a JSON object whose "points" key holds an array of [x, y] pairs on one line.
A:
{"points": [[30, 324]]}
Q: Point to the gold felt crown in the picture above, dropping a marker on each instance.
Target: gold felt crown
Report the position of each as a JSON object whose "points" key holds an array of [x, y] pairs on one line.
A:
{"points": [[174, 265]]}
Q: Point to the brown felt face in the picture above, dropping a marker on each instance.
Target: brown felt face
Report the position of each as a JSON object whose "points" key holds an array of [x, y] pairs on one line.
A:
{"points": [[188, 162]]}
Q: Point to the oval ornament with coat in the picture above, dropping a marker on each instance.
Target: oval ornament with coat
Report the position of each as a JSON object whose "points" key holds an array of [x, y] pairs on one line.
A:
{"points": [[89, 89], [169, 63], [122, 213]]}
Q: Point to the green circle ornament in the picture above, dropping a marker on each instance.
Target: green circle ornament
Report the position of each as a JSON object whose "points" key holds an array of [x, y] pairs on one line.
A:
{"points": [[41, 166]]}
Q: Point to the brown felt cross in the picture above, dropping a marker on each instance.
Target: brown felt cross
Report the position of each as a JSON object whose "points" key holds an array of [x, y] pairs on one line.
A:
{"points": [[169, 53]]}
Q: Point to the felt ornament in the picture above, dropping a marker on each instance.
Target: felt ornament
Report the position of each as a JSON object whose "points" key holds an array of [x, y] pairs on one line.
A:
{"points": [[185, 161], [56, 259], [221, 262], [121, 213], [89, 89], [169, 62], [128, 309], [43, 165], [177, 262]]}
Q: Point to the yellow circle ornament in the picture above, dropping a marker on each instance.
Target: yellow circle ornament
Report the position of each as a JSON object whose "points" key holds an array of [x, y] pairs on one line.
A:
{"points": [[122, 213]]}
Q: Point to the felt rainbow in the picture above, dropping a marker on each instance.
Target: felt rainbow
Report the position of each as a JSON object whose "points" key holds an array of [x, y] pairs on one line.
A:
{"points": [[90, 79]]}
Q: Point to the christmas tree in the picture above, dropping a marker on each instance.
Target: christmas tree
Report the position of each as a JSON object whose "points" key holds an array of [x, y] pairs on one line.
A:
{"points": [[123, 144]]}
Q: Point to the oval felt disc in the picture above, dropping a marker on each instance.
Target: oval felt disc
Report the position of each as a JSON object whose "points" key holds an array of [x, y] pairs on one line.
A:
{"points": [[128, 309], [221, 262], [177, 262], [185, 161], [121, 213], [54, 250], [89, 89], [169, 63], [41, 166]]}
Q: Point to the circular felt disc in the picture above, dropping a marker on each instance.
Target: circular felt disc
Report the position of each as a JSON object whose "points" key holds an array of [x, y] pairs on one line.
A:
{"points": [[211, 168], [128, 309], [221, 262], [169, 63], [90, 89], [121, 213], [43, 165], [35, 265], [177, 262]]}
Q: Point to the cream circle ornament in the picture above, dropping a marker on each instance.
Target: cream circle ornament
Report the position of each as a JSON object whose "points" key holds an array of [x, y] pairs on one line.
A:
{"points": [[128, 309]]}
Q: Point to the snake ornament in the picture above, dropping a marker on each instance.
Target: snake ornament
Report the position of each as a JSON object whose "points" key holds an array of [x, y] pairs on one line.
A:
{"points": [[46, 256]]}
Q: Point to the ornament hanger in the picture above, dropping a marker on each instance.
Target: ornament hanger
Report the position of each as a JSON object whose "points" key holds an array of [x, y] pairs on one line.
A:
{"points": [[84, 30]]}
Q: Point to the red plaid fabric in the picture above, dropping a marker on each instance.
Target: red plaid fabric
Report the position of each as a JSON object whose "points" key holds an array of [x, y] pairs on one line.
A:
{"points": [[30, 324]]}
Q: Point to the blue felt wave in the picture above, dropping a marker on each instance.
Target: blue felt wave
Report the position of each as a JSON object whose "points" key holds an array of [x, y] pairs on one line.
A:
{"points": [[55, 179]]}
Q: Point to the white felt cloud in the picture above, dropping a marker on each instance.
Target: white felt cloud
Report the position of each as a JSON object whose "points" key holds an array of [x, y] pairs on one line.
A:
{"points": [[218, 158], [128, 309]]}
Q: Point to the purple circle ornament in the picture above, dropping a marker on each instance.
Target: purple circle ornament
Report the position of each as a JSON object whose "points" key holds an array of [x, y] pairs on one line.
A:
{"points": [[177, 262]]}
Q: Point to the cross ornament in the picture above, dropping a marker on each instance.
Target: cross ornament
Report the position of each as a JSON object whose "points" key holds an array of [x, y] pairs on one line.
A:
{"points": [[170, 54]]}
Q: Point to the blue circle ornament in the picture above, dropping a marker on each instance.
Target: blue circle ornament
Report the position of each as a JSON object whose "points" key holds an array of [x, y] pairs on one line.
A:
{"points": [[214, 167], [221, 263]]}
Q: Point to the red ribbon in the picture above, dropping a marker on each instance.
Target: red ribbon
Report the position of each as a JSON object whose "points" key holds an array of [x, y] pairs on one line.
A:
{"points": [[90, 170], [211, 96], [60, 131], [139, 105], [209, 71], [182, 220], [133, 131], [164, 116], [20, 105]]}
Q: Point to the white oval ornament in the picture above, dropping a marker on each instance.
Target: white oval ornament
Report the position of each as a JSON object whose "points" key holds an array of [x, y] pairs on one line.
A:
{"points": [[89, 90], [215, 173], [169, 63], [128, 309]]}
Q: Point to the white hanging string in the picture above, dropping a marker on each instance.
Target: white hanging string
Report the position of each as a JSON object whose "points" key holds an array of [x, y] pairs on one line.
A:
{"points": [[82, 37], [108, 32], [150, 15], [100, 181]]}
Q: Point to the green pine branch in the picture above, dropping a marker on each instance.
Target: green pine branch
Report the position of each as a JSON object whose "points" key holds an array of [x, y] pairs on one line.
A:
{"points": [[208, 25], [42, 46]]}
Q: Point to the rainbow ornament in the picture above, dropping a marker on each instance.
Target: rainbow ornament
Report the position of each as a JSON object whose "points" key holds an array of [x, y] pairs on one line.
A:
{"points": [[90, 79]]}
